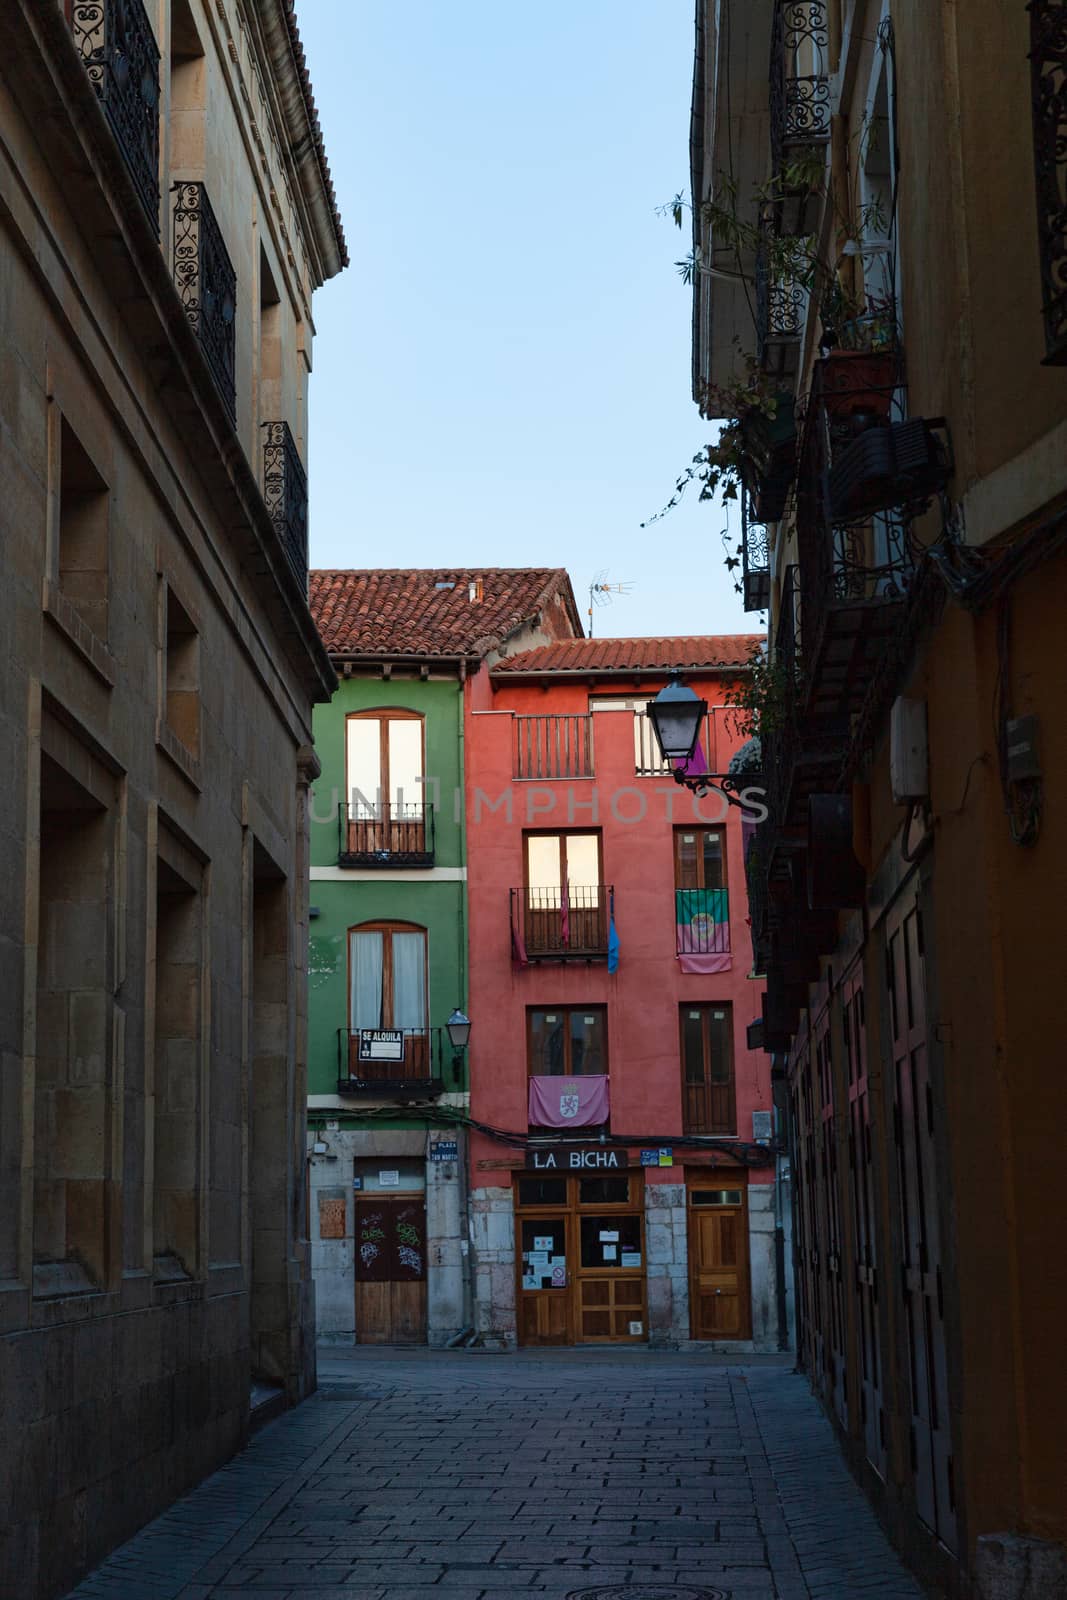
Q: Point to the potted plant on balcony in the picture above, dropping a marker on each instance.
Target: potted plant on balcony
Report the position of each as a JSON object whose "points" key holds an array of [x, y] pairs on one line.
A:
{"points": [[861, 367], [757, 438]]}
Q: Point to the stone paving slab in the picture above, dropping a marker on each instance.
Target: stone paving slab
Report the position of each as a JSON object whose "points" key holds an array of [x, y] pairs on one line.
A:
{"points": [[468, 1476]]}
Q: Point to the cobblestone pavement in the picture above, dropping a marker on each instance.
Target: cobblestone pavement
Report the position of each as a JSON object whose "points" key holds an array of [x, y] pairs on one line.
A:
{"points": [[464, 1476]]}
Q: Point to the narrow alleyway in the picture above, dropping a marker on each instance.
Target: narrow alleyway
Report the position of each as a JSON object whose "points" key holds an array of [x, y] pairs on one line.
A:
{"points": [[619, 1476]]}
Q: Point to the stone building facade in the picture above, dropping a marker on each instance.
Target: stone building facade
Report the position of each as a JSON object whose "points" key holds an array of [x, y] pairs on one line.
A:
{"points": [[893, 173], [165, 215]]}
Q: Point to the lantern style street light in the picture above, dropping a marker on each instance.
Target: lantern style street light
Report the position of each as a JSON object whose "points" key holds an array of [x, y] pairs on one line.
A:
{"points": [[459, 1030], [677, 715]]}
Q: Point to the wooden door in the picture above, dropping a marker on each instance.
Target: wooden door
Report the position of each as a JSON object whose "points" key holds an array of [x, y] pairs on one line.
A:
{"points": [[834, 1349], [718, 1257], [917, 1188], [863, 1185], [545, 1280], [391, 1270]]}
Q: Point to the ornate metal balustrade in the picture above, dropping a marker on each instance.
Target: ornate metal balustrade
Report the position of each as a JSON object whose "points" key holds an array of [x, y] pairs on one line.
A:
{"points": [[207, 284], [800, 83], [781, 315], [755, 562], [285, 489], [856, 569], [1048, 66], [119, 50]]}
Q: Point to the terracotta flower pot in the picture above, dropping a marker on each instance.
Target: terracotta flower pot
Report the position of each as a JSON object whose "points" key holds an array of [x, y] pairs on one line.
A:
{"points": [[859, 381]]}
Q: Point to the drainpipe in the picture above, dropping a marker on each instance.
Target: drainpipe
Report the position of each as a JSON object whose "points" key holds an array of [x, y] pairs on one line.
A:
{"points": [[466, 1263]]}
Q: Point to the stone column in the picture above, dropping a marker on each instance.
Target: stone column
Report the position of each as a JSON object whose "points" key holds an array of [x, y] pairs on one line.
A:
{"points": [[667, 1264], [763, 1266], [492, 1225]]}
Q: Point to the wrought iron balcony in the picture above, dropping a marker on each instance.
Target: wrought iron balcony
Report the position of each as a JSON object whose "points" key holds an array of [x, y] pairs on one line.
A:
{"points": [[1048, 68], [769, 467], [550, 924], [856, 501], [781, 315], [554, 746], [800, 81], [402, 1063], [118, 47], [755, 562], [207, 284], [285, 489], [385, 834]]}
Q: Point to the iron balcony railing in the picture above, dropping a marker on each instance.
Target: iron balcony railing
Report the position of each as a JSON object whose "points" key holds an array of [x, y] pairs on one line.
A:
{"points": [[855, 568], [702, 918], [799, 80], [1048, 68], [550, 924], [118, 47], [553, 746], [755, 561], [782, 298], [285, 490], [207, 284], [403, 1060], [385, 834]]}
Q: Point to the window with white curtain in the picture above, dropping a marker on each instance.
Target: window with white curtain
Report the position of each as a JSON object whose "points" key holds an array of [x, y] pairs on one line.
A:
{"points": [[387, 976], [384, 760]]}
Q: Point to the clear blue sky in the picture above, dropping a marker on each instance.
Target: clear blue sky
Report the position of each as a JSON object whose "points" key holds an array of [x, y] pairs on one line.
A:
{"points": [[502, 374]]}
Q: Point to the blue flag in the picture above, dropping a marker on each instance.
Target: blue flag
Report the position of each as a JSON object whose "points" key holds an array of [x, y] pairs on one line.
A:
{"points": [[613, 937]]}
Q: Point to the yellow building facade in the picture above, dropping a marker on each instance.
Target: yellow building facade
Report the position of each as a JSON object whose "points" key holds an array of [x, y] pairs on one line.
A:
{"points": [[165, 216], [879, 222]]}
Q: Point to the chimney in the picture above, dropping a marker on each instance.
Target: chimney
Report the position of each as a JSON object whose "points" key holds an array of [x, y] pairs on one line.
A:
{"points": [[476, 591]]}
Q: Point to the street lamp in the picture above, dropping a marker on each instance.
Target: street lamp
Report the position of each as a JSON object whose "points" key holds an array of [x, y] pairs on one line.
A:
{"points": [[459, 1030], [677, 715]]}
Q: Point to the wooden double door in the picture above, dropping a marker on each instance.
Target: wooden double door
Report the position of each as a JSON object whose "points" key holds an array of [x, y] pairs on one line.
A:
{"points": [[390, 1269], [720, 1304], [581, 1261]]}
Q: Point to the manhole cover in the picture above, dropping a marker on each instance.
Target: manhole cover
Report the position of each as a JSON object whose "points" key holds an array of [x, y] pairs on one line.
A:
{"points": [[644, 1591]]}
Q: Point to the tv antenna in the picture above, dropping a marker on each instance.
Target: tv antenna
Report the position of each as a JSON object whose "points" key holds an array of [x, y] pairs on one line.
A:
{"points": [[601, 592]]}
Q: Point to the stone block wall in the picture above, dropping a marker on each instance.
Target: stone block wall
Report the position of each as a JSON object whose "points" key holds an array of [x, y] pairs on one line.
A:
{"points": [[333, 1258], [492, 1233], [668, 1264]]}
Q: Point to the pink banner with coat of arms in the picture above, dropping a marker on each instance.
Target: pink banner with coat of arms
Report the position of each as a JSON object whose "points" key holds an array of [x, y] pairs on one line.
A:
{"points": [[568, 1102]]}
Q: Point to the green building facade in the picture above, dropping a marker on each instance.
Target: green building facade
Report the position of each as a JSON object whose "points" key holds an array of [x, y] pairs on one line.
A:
{"points": [[392, 1245], [388, 876]]}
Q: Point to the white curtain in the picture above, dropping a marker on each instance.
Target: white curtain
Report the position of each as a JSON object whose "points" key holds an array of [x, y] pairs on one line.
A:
{"points": [[365, 965], [409, 980]]}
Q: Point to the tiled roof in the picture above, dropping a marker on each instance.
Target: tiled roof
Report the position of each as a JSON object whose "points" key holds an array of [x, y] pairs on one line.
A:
{"points": [[428, 611], [635, 655]]}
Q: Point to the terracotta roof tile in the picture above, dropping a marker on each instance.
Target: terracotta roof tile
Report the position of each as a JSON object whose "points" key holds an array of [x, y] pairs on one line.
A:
{"points": [[428, 611], [635, 655]]}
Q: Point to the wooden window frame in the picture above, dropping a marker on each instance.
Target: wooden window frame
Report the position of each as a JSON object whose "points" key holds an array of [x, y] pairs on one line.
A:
{"points": [[701, 829], [566, 1011], [383, 715], [705, 1007], [387, 928], [562, 834]]}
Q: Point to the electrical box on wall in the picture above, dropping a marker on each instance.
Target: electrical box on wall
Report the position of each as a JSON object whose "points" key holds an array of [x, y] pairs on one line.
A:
{"points": [[909, 760], [1020, 748]]}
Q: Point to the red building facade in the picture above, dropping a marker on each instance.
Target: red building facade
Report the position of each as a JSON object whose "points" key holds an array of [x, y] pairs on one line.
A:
{"points": [[611, 990]]}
